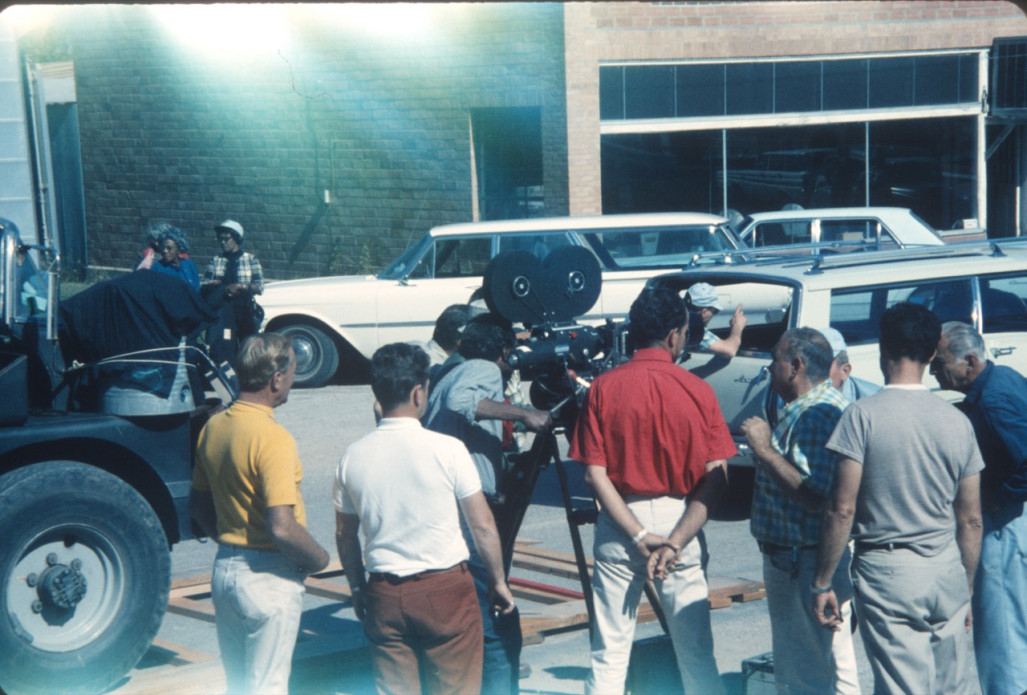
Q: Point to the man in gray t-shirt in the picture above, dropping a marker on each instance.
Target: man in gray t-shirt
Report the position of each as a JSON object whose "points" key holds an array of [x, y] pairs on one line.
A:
{"points": [[908, 488]]}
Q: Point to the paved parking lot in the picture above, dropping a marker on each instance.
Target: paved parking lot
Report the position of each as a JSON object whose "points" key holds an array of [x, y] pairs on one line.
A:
{"points": [[324, 422]]}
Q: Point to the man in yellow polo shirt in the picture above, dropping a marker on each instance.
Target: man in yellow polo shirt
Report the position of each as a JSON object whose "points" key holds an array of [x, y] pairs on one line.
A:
{"points": [[246, 495]]}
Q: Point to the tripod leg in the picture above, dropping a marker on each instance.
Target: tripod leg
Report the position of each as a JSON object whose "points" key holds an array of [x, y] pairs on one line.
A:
{"points": [[579, 552]]}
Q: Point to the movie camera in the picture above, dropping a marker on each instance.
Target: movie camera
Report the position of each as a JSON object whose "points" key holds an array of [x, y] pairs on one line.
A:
{"points": [[561, 356]]}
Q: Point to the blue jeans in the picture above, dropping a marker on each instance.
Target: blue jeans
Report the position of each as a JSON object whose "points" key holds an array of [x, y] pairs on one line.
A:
{"points": [[503, 640], [1000, 603]]}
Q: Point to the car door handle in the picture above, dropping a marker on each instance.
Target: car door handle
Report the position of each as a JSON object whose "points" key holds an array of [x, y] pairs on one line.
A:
{"points": [[1001, 351], [760, 376]]}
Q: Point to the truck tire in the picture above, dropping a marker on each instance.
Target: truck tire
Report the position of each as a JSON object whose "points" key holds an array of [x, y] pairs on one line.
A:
{"points": [[317, 358], [84, 576]]}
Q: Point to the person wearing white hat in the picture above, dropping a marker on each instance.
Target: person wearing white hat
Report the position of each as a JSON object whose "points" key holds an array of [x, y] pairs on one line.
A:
{"points": [[852, 388], [233, 279], [706, 303]]}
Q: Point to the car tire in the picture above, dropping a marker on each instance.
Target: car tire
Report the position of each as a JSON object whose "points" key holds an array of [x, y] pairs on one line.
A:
{"points": [[84, 577], [317, 358]]}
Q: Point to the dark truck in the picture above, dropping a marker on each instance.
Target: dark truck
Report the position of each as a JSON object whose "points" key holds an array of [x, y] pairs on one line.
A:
{"points": [[90, 501]]}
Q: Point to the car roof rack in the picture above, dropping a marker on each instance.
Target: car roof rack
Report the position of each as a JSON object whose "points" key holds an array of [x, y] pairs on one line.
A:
{"points": [[788, 252], [822, 262]]}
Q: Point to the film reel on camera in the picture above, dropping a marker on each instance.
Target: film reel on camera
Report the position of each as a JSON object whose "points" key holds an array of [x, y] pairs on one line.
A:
{"points": [[523, 289]]}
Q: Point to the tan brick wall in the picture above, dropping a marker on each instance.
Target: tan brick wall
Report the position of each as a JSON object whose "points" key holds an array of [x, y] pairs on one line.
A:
{"points": [[622, 31]]}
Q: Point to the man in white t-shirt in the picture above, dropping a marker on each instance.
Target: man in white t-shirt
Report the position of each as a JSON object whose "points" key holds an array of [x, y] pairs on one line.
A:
{"points": [[405, 487]]}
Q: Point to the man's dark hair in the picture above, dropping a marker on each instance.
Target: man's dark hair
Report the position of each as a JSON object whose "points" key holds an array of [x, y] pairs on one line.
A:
{"points": [[809, 345], [909, 330], [449, 326], [656, 312], [485, 337], [396, 369]]}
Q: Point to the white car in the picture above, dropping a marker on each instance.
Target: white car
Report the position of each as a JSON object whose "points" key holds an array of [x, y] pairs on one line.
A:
{"points": [[862, 228], [982, 284], [348, 318]]}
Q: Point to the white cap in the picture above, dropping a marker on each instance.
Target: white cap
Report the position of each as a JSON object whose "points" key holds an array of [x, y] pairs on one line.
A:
{"points": [[835, 339], [704, 295], [232, 226]]}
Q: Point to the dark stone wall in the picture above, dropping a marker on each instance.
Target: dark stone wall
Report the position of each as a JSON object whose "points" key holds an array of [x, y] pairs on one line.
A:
{"points": [[194, 133]]}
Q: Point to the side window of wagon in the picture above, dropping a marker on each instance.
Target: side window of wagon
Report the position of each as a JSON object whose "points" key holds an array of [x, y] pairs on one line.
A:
{"points": [[456, 258], [1004, 303], [856, 312], [538, 243]]}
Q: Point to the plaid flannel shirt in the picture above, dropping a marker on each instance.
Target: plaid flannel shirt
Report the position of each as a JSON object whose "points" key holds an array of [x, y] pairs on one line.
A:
{"points": [[805, 426], [249, 271]]}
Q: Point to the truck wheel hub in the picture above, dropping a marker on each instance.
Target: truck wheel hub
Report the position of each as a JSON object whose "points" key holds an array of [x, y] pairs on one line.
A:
{"points": [[62, 586]]}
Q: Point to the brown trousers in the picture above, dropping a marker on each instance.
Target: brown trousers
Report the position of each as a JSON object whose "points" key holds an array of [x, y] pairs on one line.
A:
{"points": [[425, 633]]}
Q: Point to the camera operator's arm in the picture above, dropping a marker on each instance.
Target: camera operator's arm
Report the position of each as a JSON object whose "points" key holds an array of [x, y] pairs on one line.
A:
{"points": [[486, 541], [613, 504], [534, 420]]}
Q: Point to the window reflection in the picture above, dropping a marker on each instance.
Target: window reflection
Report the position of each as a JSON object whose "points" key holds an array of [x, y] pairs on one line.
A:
{"points": [[926, 164]]}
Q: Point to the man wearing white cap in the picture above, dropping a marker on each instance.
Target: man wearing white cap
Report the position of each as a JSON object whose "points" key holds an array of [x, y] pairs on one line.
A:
{"points": [[852, 388], [706, 302]]}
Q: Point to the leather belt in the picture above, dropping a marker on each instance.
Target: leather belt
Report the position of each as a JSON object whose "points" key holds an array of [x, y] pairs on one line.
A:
{"points": [[862, 546], [396, 579], [769, 548]]}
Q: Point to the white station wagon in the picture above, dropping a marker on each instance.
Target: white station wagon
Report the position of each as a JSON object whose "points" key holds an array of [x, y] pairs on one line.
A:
{"points": [[979, 283], [333, 319]]}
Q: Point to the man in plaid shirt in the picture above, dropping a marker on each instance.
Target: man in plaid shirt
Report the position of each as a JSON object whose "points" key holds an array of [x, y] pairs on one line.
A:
{"points": [[794, 474]]}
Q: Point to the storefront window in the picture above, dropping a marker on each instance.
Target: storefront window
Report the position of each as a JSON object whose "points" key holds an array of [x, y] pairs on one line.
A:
{"points": [[927, 165]]}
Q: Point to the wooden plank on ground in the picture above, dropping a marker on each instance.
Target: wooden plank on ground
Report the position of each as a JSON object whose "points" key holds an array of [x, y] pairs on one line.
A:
{"points": [[178, 654], [201, 610]]}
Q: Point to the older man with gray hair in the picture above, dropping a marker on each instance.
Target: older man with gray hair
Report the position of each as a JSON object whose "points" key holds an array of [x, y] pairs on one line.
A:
{"points": [[794, 474], [996, 403]]}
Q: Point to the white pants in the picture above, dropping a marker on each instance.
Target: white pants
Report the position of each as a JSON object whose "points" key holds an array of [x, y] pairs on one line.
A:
{"points": [[618, 578], [809, 659], [258, 601]]}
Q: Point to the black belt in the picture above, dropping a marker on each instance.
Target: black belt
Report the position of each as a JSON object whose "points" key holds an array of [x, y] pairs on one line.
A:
{"points": [[396, 579], [863, 546], [769, 548]]}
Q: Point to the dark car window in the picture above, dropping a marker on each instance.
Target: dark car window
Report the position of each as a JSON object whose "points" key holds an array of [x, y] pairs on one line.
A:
{"points": [[1004, 303], [657, 247], [856, 312], [856, 231], [778, 233], [457, 258], [538, 243]]}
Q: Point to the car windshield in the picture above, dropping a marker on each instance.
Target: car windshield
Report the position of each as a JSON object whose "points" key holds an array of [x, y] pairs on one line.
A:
{"points": [[413, 256], [656, 247]]}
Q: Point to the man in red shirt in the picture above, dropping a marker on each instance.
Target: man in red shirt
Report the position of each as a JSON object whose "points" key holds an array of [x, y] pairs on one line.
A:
{"points": [[655, 447]]}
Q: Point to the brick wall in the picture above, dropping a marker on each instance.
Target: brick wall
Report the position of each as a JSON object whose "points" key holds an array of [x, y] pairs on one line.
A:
{"points": [[379, 119], [623, 31]]}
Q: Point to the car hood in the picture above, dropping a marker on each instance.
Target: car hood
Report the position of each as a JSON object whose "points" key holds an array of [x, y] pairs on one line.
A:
{"points": [[311, 291]]}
